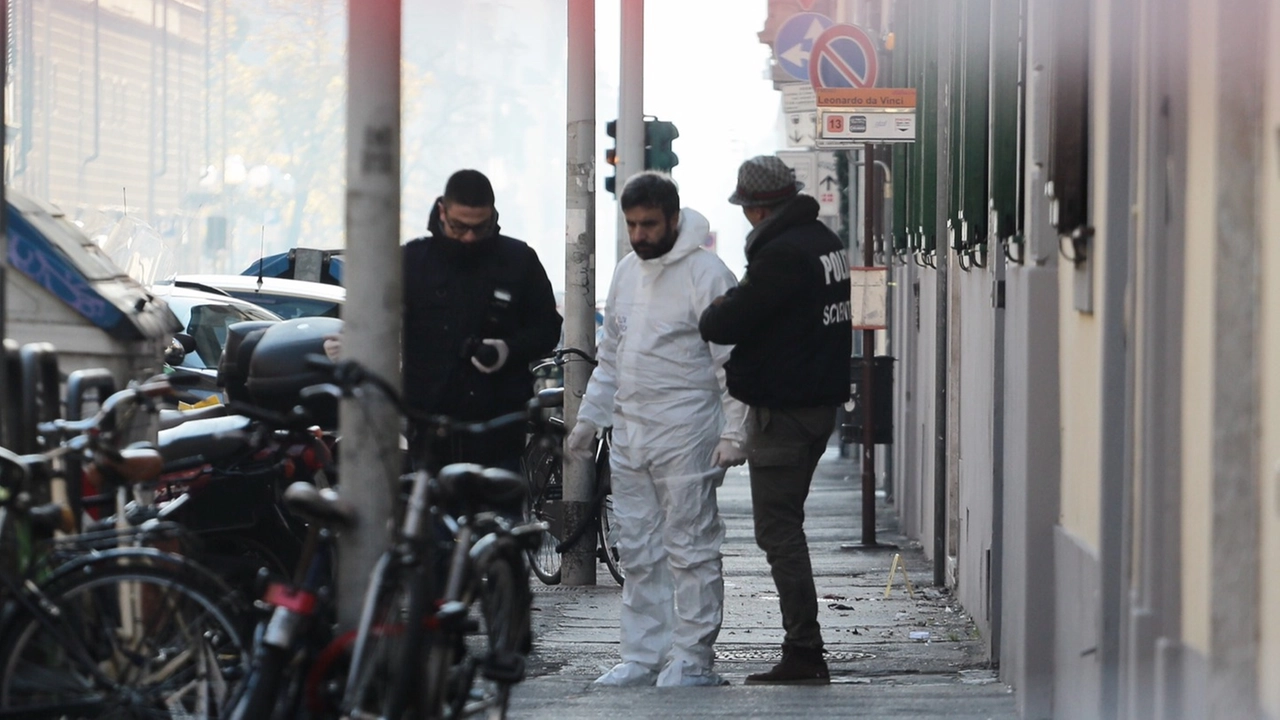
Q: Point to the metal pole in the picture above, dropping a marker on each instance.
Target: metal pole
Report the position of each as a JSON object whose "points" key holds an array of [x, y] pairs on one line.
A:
{"points": [[630, 107], [868, 358], [4, 213], [578, 563], [370, 426]]}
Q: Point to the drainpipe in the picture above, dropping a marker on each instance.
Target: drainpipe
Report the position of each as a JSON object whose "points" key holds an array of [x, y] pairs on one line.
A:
{"points": [[164, 92], [946, 49], [1115, 471], [97, 88], [28, 85], [208, 83]]}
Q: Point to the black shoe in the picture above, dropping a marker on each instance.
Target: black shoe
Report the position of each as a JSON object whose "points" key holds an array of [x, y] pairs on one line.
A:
{"points": [[799, 666]]}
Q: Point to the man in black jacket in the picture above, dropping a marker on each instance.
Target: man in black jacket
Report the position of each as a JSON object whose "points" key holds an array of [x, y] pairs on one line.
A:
{"points": [[478, 308], [788, 321]]}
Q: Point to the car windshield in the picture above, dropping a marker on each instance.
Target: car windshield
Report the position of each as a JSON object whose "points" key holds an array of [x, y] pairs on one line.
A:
{"points": [[289, 307], [208, 326]]}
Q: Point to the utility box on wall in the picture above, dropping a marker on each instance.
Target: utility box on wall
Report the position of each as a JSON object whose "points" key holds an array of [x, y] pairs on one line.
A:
{"points": [[881, 402]]}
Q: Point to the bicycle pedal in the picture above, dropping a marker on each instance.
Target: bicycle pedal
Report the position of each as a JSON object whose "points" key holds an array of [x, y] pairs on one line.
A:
{"points": [[503, 667]]}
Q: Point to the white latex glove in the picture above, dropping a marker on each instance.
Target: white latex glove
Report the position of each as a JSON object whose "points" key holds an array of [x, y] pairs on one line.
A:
{"points": [[333, 347], [503, 352], [728, 454], [581, 439]]}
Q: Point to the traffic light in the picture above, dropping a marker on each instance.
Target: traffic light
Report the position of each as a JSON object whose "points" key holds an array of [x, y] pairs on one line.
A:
{"points": [[658, 135], [611, 157]]}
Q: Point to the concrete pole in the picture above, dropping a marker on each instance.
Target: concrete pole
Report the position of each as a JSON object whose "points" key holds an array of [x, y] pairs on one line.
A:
{"points": [[578, 563], [370, 460], [4, 217], [630, 107], [4, 201]]}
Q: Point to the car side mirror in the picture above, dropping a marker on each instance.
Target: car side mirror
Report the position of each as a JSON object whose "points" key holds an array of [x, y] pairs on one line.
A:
{"points": [[179, 347]]}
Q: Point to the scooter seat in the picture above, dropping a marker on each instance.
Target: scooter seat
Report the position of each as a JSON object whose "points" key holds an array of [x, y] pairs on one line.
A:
{"points": [[207, 440], [173, 418]]}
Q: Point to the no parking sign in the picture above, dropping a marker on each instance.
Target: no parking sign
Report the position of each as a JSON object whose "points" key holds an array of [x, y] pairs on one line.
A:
{"points": [[843, 56]]}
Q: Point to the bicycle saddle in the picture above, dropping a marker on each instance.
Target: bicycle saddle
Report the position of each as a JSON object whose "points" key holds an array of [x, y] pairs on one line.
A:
{"points": [[552, 397], [473, 487], [324, 507]]}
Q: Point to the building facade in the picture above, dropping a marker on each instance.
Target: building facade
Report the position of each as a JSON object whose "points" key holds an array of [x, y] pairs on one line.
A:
{"points": [[114, 109], [1085, 247]]}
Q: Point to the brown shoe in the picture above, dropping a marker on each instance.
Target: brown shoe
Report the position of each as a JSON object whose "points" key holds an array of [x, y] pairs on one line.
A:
{"points": [[799, 666]]}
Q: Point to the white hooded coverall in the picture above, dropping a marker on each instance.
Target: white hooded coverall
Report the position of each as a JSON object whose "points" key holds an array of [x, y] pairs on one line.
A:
{"points": [[662, 388]]}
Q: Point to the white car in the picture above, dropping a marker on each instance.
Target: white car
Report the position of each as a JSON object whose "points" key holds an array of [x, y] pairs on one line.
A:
{"points": [[205, 317], [287, 298]]}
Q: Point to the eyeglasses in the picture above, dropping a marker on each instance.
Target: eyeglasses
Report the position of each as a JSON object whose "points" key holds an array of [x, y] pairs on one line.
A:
{"points": [[460, 228]]}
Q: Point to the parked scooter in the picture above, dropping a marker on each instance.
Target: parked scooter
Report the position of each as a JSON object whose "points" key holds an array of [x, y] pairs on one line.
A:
{"points": [[236, 460]]}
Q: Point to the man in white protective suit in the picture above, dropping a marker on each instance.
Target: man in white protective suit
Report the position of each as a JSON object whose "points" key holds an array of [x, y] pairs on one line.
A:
{"points": [[675, 432]]}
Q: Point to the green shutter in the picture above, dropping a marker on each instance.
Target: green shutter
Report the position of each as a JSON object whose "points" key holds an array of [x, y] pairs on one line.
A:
{"points": [[926, 145], [969, 112], [900, 76], [1006, 118]]}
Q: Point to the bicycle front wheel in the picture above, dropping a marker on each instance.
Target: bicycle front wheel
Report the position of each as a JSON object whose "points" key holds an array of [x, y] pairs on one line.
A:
{"points": [[389, 641], [546, 488], [124, 640]]}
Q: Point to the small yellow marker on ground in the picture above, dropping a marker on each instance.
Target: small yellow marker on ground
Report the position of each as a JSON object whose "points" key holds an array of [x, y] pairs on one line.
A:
{"points": [[894, 567]]}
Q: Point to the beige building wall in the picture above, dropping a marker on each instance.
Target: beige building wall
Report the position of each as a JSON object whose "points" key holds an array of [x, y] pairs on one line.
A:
{"points": [[1080, 357], [1080, 351], [1197, 359], [1269, 445]]}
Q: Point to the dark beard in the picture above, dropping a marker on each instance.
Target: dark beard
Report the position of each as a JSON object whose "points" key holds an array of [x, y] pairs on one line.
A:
{"points": [[464, 253], [649, 252]]}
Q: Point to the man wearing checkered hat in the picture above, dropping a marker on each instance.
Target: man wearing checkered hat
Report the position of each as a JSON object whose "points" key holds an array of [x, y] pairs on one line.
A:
{"points": [[788, 321]]}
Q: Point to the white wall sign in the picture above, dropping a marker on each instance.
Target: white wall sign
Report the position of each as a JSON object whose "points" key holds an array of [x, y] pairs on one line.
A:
{"points": [[798, 97], [826, 185], [869, 290], [801, 127], [805, 164]]}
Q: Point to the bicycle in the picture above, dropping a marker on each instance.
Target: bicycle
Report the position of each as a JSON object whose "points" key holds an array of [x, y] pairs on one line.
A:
{"points": [[289, 636], [544, 472], [98, 623], [409, 656]]}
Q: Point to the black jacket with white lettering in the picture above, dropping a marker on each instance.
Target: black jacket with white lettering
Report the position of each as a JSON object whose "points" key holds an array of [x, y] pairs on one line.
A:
{"points": [[788, 320]]}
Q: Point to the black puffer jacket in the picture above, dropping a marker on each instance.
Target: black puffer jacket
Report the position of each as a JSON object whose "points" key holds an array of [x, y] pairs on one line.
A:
{"points": [[788, 320], [449, 302]]}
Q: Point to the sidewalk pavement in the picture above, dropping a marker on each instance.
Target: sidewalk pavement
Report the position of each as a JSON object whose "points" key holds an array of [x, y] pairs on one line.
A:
{"points": [[878, 669]]}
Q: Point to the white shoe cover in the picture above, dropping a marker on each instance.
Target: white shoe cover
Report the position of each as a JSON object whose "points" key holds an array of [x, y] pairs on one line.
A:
{"points": [[628, 674], [681, 674]]}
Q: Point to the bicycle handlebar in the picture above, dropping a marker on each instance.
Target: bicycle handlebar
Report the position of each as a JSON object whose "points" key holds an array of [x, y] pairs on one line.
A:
{"points": [[558, 358], [561, 352], [95, 434], [348, 375]]}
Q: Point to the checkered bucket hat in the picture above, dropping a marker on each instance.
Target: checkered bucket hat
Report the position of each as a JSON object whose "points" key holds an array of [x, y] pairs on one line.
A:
{"points": [[765, 180]]}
